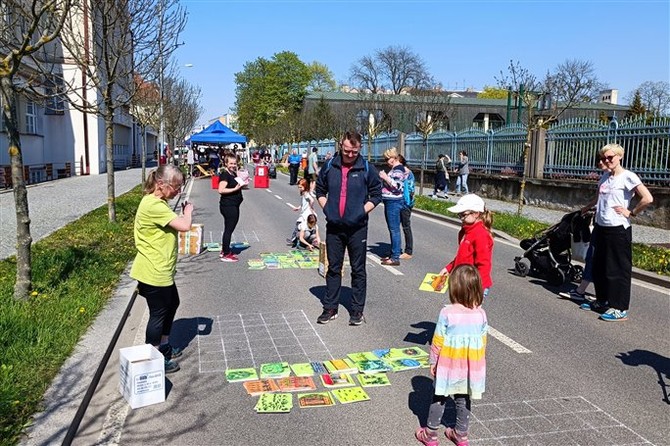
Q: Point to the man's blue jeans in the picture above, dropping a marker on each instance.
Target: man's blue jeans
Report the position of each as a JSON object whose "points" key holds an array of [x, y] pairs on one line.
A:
{"points": [[392, 209]]}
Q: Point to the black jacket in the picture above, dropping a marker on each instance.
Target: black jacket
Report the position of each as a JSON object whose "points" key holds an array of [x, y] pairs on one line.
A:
{"points": [[363, 185]]}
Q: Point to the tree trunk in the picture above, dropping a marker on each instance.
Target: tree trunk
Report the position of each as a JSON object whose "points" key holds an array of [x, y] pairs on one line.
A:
{"points": [[522, 186], [24, 241], [109, 142], [144, 153]]}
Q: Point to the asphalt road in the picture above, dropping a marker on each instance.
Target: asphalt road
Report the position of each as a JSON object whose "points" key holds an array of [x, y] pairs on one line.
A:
{"points": [[556, 374]]}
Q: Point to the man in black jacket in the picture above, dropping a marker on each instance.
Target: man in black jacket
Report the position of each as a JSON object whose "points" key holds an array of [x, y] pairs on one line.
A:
{"points": [[347, 189]]}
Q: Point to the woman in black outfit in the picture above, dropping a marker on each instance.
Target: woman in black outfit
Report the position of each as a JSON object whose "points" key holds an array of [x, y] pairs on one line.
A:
{"points": [[229, 204]]}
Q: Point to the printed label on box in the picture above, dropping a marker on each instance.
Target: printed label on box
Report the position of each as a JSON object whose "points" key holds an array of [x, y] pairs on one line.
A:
{"points": [[148, 382]]}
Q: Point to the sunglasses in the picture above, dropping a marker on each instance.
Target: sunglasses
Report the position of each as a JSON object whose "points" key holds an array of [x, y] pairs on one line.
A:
{"points": [[607, 158]]}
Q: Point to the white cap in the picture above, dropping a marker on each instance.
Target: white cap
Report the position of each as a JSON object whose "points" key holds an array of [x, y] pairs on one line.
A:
{"points": [[469, 202]]}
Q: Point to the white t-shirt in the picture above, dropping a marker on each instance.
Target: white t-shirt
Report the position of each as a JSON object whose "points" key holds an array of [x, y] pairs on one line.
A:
{"points": [[306, 206], [310, 233], [615, 190]]}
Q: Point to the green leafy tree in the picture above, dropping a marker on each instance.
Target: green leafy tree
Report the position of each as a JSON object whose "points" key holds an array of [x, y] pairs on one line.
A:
{"points": [[636, 107], [266, 90], [322, 78], [493, 93]]}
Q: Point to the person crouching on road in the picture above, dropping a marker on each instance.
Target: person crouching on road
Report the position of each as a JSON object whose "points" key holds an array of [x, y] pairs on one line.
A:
{"points": [[156, 232], [475, 241]]}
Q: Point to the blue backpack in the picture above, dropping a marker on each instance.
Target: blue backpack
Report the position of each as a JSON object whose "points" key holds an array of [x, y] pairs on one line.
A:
{"points": [[408, 189]]}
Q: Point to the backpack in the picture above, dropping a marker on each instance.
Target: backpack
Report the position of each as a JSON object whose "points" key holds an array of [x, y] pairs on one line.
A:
{"points": [[408, 189]]}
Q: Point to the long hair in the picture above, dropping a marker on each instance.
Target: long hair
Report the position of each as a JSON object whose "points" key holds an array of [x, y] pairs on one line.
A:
{"points": [[167, 173], [465, 286]]}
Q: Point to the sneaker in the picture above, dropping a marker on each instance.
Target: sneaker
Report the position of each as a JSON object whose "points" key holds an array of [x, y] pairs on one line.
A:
{"points": [[426, 436], [390, 262], [221, 254], [170, 352], [230, 258], [327, 316], [593, 306], [614, 315], [356, 318], [455, 438], [405, 256], [171, 366], [573, 295]]}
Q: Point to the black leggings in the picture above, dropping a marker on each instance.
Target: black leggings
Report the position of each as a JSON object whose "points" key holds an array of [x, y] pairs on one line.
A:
{"points": [[163, 302], [231, 215]]}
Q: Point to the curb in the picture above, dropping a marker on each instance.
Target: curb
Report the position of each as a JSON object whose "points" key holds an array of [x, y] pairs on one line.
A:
{"points": [[637, 273]]}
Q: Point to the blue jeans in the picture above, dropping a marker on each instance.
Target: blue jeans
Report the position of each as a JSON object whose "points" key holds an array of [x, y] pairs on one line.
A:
{"points": [[462, 182], [392, 209]]}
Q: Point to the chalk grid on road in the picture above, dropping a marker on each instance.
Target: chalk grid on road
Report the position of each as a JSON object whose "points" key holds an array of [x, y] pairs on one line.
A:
{"points": [[251, 339]]}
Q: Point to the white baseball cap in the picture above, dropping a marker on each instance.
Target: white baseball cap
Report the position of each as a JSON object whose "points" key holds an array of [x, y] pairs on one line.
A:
{"points": [[469, 202]]}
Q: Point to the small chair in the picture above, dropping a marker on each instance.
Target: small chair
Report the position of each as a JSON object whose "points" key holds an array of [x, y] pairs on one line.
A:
{"points": [[205, 173]]}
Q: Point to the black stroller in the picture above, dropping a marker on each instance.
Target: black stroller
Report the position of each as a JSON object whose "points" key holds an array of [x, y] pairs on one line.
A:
{"points": [[548, 253]]}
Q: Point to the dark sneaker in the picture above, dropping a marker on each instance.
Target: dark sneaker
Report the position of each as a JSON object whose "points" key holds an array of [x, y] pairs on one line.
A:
{"points": [[573, 295], [327, 316], [356, 318], [390, 262], [594, 306], [170, 352], [171, 366]]}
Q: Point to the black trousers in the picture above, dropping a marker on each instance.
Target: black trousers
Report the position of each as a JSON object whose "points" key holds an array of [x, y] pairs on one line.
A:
{"points": [[293, 173], [354, 241], [613, 265], [163, 302], [231, 215], [405, 216]]}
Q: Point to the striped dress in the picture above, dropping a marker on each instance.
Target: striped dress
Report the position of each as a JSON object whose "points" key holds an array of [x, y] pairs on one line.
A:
{"points": [[458, 349]]}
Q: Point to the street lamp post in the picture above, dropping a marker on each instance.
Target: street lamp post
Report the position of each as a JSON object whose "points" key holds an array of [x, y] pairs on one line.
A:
{"points": [[371, 132]]}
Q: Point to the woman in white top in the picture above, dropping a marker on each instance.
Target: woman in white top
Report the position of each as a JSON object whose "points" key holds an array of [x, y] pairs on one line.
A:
{"points": [[612, 257]]}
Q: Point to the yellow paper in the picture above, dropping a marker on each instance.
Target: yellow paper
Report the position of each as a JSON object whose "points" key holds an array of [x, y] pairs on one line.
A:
{"points": [[425, 284]]}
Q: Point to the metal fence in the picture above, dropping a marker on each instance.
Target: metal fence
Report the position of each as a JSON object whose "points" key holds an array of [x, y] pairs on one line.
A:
{"points": [[569, 148]]}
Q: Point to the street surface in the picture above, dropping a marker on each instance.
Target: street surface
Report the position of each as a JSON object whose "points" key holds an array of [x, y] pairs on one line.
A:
{"points": [[556, 374]]}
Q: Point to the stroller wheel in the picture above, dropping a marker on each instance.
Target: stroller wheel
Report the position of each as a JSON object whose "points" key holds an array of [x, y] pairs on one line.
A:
{"points": [[576, 273], [556, 277], [522, 267]]}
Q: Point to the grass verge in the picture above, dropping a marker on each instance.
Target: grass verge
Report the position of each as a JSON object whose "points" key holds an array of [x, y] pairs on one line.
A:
{"points": [[75, 271]]}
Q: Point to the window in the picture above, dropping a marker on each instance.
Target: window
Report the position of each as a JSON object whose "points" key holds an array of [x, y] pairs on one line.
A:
{"points": [[31, 118], [54, 100]]}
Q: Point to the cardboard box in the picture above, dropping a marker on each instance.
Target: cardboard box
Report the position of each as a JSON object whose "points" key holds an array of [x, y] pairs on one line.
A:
{"points": [[142, 375], [190, 242]]}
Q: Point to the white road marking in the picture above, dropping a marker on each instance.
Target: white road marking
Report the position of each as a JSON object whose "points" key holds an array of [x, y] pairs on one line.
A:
{"points": [[289, 205], [278, 197], [511, 343], [268, 191], [377, 260]]}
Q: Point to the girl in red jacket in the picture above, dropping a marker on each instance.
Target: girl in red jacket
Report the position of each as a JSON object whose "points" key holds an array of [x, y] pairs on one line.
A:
{"points": [[475, 241]]}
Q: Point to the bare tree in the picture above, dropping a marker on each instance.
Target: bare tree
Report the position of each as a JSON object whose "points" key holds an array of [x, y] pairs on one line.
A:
{"points": [[26, 28], [146, 110], [181, 108], [655, 97], [395, 68], [111, 42], [571, 82]]}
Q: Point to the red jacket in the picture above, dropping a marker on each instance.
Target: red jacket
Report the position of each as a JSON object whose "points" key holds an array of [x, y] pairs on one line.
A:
{"points": [[475, 247]]}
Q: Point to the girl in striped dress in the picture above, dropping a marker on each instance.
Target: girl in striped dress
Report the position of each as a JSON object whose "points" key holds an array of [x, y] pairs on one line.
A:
{"points": [[457, 356]]}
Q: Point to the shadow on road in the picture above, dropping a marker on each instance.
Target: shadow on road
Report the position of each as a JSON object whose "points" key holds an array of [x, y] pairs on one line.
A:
{"points": [[659, 363]]}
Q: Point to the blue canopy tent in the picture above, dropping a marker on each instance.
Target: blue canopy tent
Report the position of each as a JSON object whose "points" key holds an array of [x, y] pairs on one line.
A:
{"points": [[217, 133]]}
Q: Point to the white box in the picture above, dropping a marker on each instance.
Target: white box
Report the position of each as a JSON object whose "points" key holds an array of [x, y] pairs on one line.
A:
{"points": [[142, 375]]}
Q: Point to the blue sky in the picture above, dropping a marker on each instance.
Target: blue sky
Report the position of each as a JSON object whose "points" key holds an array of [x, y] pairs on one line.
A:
{"points": [[464, 43]]}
